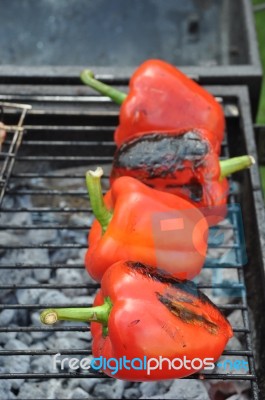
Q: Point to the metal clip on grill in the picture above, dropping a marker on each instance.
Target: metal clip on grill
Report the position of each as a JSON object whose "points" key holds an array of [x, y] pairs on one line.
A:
{"points": [[8, 158]]}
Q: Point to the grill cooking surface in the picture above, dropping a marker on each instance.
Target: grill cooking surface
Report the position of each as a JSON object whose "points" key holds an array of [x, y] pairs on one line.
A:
{"points": [[45, 218]]}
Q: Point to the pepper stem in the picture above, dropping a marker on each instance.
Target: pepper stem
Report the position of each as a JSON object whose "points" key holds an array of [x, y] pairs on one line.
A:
{"points": [[235, 164], [90, 314], [87, 77], [102, 214]]}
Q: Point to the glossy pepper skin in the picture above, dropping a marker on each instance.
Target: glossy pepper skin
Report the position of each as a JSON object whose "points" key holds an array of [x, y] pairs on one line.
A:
{"points": [[145, 313], [183, 163], [149, 226], [162, 98]]}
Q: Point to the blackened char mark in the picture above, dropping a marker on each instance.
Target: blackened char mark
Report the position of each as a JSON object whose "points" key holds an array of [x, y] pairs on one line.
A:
{"points": [[162, 154], [187, 315], [194, 189], [162, 276]]}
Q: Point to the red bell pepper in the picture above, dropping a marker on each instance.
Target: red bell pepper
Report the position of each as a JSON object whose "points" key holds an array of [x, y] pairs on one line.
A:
{"points": [[141, 313], [184, 164], [140, 223], [162, 98]]}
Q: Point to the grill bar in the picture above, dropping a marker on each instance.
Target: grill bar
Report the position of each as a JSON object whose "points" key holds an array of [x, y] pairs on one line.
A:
{"points": [[5, 353], [74, 329], [236, 286], [37, 307], [81, 246], [61, 375], [81, 266]]}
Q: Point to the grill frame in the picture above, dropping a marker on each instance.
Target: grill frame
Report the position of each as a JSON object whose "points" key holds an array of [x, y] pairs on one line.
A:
{"points": [[241, 94]]}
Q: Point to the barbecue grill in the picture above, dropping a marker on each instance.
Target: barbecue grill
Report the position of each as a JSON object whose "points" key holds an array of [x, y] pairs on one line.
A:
{"points": [[44, 205]]}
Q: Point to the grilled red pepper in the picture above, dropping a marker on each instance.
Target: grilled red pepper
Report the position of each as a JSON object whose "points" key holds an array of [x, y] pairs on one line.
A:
{"points": [[184, 164], [162, 98], [145, 314], [139, 223]]}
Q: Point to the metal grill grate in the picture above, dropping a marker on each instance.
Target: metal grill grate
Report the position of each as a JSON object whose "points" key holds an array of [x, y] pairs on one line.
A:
{"points": [[60, 143]]}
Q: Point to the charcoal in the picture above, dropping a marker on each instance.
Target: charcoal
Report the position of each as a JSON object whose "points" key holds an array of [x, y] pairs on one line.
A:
{"points": [[42, 274], [74, 276], [81, 220], [164, 386], [19, 219], [54, 389], [236, 320], [37, 345], [51, 389], [53, 297], [10, 239], [5, 336], [234, 344], [41, 364], [89, 384], [12, 364], [61, 256], [25, 337], [22, 201], [29, 296], [5, 388], [118, 389], [148, 388], [183, 389], [6, 317], [79, 393], [33, 390], [132, 393], [103, 391], [47, 236], [17, 275], [83, 299], [61, 340]]}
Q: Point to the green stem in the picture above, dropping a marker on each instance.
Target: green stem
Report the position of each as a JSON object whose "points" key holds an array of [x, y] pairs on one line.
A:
{"points": [[91, 314], [102, 214], [235, 164], [87, 77]]}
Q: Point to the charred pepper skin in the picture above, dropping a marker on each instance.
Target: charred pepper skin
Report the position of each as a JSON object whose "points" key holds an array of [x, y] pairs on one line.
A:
{"points": [[140, 228], [183, 164]]}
